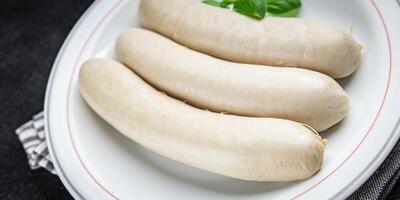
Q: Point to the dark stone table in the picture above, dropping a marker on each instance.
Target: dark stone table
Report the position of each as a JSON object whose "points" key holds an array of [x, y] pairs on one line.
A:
{"points": [[31, 33]]}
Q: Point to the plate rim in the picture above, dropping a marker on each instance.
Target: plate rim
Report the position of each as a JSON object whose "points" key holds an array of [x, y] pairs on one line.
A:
{"points": [[358, 181], [60, 172]]}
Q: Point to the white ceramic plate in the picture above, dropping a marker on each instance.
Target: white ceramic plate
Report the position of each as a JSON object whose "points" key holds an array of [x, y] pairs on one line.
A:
{"points": [[96, 162]]}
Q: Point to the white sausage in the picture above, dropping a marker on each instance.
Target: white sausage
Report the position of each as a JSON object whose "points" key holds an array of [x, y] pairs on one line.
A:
{"points": [[252, 90], [273, 41], [257, 149]]}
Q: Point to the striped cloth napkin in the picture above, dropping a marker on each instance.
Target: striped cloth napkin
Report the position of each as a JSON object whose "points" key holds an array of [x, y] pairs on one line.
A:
{"points": [[33, 139], [378, 186]]}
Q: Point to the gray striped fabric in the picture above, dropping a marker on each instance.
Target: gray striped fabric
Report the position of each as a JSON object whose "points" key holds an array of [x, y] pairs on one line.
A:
{"points": [[381, 183], [33, 139]]}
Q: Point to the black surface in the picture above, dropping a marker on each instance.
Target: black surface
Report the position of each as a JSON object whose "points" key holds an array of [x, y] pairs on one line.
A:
{"points": [[31, 33]]}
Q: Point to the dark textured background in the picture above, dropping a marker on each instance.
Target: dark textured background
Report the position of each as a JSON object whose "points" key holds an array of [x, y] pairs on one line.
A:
{"points": [[31, 33]]}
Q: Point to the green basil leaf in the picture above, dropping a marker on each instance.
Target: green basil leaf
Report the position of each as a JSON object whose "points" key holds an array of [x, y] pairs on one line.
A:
{"points": [[283, 7], [260, 8], [251, 8], [226, 3], [291, 13]]}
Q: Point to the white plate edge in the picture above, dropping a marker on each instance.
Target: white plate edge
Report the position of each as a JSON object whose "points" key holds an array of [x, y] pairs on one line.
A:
{"points": [[364, 175], [60, 173]]}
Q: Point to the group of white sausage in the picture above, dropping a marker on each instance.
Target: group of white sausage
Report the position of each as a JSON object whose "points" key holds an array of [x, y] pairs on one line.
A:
{"points": [[226, 111]]}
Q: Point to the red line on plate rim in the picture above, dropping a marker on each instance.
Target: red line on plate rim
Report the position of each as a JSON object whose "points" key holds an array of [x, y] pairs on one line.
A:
{"points": [[295, 197], [112, 9], [377, 115]]}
